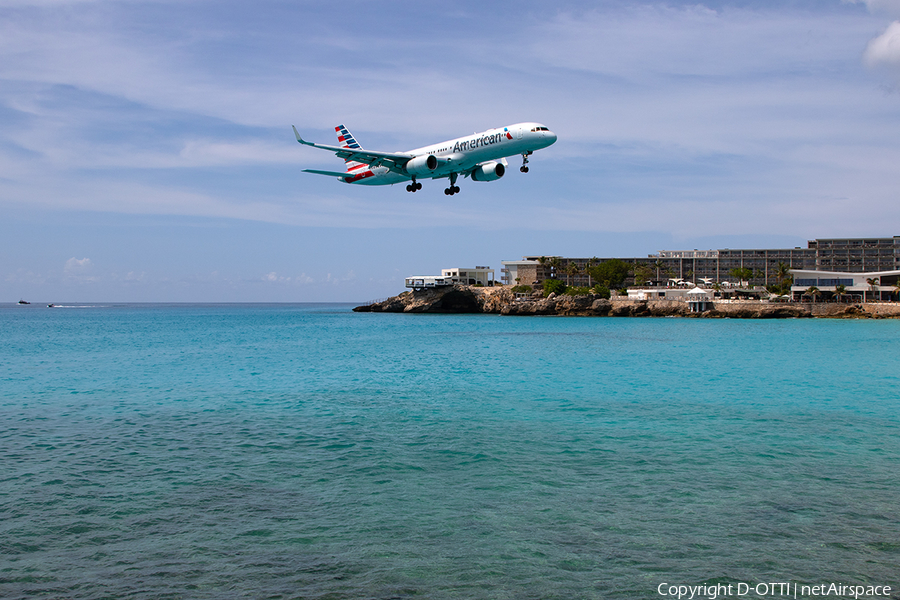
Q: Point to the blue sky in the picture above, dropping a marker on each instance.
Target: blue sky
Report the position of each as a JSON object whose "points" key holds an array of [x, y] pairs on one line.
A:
{"points": [[146, 152]]}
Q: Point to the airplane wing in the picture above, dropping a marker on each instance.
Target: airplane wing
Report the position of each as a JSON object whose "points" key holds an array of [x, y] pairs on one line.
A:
{"points": [[395, 161], [330, 173]]}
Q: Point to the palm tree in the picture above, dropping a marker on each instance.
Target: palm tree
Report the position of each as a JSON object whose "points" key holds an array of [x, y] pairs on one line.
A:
{"points": [[812, 291], [555, 263], [760, 274], [659, 264], [572, 269], [742, 274], [840, 291], [782, 271], [587, 268], [873, 284], [642, 273], [897, 289], [782, 276]]}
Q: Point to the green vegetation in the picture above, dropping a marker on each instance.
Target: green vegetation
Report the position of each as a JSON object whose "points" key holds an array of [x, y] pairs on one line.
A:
{"points": [[610, 274], [554, 286], [591, 263], [602, 291], [783, 280], [840, 291], [577, 291], [659, 266], [572, 270], [642, 274], [742, 274], [522, 289]]}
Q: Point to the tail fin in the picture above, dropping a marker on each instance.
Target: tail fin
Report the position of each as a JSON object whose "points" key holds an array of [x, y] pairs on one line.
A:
{"points": [[346, 140]]}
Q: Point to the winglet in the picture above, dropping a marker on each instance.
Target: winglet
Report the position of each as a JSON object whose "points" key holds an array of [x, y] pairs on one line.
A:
{"points": [[300, 139]]}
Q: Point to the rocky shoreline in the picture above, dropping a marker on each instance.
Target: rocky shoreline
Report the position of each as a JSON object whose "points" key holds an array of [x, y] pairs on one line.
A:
{"points": [[462, 299]]}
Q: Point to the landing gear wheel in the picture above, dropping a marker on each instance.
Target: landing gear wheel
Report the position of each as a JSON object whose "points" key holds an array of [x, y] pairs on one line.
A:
{"points": [[524, 167], [415, 185], [418, 186], [453, 189]]}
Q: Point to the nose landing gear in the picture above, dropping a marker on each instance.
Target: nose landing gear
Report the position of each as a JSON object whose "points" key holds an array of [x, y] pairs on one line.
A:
{"points": [[524, 167]]}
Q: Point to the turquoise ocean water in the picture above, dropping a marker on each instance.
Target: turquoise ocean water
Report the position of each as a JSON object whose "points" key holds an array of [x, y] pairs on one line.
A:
{"points": [[305, 451]]}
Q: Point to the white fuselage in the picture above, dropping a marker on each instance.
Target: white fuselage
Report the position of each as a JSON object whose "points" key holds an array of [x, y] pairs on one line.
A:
{"points": [[464, 153]]}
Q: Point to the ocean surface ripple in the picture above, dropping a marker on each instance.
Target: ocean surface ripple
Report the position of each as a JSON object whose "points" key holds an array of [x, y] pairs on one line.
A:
{"points": [[305, 451]]}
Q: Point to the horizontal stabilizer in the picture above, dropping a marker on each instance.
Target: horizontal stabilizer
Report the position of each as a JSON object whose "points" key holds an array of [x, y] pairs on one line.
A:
{"points": [[329, 173]]}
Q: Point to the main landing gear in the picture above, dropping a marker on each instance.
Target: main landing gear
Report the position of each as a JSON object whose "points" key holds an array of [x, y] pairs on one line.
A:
{"points": [[524, 168], [414, 186], [453, 189]]}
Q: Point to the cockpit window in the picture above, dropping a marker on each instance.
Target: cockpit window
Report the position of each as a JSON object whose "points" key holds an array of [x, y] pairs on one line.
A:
{"points": [[540, 129]]}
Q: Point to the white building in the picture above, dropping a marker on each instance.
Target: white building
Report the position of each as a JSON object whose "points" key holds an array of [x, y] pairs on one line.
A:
{"points": [[462, 275], [668, 293], [871, 287], [519, 272]]}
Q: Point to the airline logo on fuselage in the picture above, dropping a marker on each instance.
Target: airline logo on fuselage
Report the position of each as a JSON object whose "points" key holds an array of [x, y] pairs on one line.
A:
{"points": [[480, 142]]}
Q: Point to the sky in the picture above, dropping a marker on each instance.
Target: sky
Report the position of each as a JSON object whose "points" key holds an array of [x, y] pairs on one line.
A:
{"points": [[146, 151]]}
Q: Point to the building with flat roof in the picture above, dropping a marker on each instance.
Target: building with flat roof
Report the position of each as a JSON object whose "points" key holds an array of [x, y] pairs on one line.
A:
{"points": [[833, 254], [857, 254], [521, 272], [464, 275], [859, 287]]}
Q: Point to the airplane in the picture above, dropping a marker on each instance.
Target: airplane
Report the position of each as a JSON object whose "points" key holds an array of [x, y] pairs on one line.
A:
{"points": [[480, 156]]}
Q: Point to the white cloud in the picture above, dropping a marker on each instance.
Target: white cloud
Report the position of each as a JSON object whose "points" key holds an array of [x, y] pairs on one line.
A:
{"points": [[350, 276], [79, 270], [885, 49], [889, 7], [302, 279], [77, 265]]}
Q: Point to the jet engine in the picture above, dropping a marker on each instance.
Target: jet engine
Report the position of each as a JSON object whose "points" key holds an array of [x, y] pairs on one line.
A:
{"points": [[422, 165], [489, 171]]}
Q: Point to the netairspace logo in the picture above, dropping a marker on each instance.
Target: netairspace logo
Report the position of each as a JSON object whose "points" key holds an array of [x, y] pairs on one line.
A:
{"points": [[772, 590]]}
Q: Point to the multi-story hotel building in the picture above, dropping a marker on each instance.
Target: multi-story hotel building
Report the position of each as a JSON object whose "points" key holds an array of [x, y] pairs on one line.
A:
{"points": [[834, 255]]}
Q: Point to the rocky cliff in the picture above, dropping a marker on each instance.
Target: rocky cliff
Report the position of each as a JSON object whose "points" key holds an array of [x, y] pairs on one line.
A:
{"points": [[500, 300], [454, 299]]}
